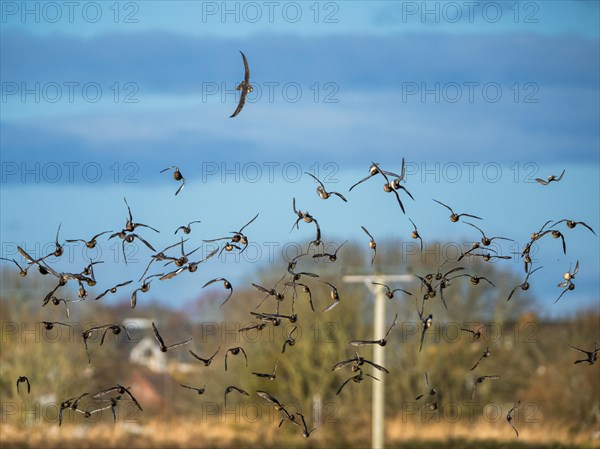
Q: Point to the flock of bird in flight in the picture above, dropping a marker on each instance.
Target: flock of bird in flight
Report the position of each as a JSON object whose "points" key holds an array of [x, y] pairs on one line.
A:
{"points": [[432, 283]]}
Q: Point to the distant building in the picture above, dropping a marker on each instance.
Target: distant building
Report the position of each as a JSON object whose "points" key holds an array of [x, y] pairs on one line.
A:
{"points": [[147, 353]]}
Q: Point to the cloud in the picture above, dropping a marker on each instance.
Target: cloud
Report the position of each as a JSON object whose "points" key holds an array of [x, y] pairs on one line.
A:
{"points": [[169, 63]]}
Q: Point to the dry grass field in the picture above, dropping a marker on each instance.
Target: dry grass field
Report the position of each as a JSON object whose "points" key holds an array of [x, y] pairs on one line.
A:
{"points": [[190, 434]]}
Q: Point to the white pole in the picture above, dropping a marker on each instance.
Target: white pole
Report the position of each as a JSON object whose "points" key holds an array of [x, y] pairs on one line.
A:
{"points": [[377, 436], [378, 421]]}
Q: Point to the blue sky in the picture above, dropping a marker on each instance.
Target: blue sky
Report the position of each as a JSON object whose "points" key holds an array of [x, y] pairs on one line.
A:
{"points": [[92, 110]]}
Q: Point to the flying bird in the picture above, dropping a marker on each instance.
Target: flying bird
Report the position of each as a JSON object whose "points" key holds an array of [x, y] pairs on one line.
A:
{"points": [[509, 417], [389, 293], [207, 361], [426, 322], [130, 225], [197, 390], [485, 240], [161, 342], [187, 229], [372, 244], [357, 378], [231, 388], [380, 342], [415, 234], [332, 257], [289, 341], [356, 362], [177, 176], [476, 333], [226, 285], [431, 392], [374, 170], [524, 285], [116, 330], [22, 379], [235, 351], [485, 355], [592, 356], [244, 87], [571, 224], [479, 380], [454, 217], [334, 295], [90, 243], [113, 289], [121, 390], [270, 376], [324, 194], [568, 281], [550, 178]]}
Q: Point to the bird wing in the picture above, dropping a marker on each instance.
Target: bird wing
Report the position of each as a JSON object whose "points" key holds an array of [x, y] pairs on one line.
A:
{"points": [[157, 335]]}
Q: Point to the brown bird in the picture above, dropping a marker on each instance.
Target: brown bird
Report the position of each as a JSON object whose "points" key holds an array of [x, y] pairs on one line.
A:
{"points": [[479, 380], [197, 390], [129, 238], [22, 379], [592, 356], [130, 225], [235, 351], [356, 362], [415, 234], [160, 256], [306, 433], [357, 378], [474, 279], [270, 376], [143, 288], [177, 176], [324, 194], [231, 388], [476, 333], [374, 170], [187, 229], [332, 257], [244, 87], [454, 217], [431, 392], [389, 293], [58, 248], [380, 342], [121, 390], [334, 295], [49, 325], [226, 284], [289, 341], [22, 272], [426, 322], [305, 289], [571, 224], [509, 416], [161, 342], [113, 289], [208, 361], [568, 281], [524, 285], [278, 405], [308, 218], [485, 240], [549, 179], [485, 355], [90, 243], [372, 244], [394, 186], [116, 329]]}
